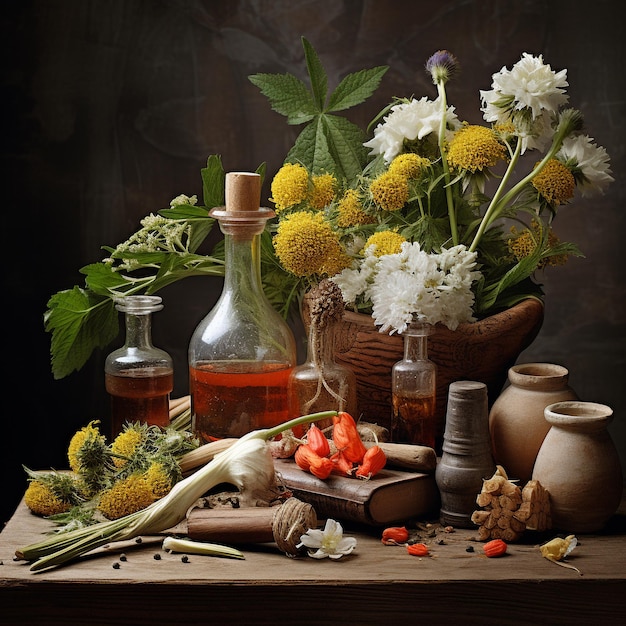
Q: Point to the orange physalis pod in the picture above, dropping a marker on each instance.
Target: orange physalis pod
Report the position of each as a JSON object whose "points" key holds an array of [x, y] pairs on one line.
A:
{"points": [[373, 461], [495, 547], [341, 465], [346, 437], [308, 460], [395, 535], [317, 441], [417, 549]]}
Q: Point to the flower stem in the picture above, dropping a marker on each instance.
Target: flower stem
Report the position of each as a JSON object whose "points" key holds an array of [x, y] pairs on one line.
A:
{"points": [[444, 163]]}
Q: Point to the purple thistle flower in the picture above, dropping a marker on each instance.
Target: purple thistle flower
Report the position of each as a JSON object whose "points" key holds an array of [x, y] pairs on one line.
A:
{"points": [[442, 66]]}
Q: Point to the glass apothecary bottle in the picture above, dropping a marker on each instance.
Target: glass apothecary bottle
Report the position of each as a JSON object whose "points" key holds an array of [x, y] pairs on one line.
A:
{"points": [[242, 353], [139, 377], [320, 383], [414, 390]]}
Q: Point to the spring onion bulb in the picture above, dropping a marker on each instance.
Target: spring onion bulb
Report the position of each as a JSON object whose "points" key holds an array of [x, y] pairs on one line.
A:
{"points": [[247, 464], [187, 546]]}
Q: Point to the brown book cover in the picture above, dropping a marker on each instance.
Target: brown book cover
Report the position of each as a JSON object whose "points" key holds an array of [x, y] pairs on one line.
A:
{"points": [[391, 496]]}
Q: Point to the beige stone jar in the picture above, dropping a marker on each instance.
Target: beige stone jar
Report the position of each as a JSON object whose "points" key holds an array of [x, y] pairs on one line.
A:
{"points": [[579, 466], [517, 425]]}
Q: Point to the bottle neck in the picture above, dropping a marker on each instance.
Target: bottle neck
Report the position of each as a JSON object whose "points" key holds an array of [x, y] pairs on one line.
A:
{"points": [[320, 345], [138, 330], [242, 270], [415, 346]]}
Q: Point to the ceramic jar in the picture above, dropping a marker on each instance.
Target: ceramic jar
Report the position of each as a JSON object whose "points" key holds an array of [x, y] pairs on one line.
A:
{"points": [[466, 460], [579, 466], [517, 425]]}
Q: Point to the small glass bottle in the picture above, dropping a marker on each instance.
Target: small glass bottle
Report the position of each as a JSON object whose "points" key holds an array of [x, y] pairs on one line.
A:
{"points": [[320, 383], [242, 353], [138, 376], [414, 390]]}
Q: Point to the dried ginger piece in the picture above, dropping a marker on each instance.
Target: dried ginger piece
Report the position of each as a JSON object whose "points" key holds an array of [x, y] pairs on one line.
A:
{"points": [[499, 499], [535, 508], [507, 511]]}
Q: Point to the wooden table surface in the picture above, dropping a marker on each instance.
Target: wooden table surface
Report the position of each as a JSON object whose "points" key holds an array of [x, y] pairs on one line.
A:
{"points": [[377, 584]]}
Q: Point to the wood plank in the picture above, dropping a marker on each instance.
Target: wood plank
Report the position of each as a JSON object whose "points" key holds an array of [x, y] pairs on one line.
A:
{"points": [[376, 583]]}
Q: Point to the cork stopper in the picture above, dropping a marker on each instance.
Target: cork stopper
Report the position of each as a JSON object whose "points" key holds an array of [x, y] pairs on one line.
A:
{"points": [[242, 192], [242, 217]]}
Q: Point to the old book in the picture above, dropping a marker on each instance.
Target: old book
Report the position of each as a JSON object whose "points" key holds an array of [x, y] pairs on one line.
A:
{"points": [[391, 496]]}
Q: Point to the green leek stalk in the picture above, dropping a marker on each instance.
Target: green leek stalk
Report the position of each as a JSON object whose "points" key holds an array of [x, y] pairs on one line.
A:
{"points": [[246, 464]]}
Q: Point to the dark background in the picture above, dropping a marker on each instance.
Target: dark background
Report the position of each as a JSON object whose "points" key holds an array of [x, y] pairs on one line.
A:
{"points": [[111, 108]]}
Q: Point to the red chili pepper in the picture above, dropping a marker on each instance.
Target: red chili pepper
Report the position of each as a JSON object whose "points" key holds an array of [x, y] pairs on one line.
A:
{"points": [[395, 535], [495, 547], [341, 465], [417, 549], [308, 460], [317, 441], [347, 438], [373, 461]]}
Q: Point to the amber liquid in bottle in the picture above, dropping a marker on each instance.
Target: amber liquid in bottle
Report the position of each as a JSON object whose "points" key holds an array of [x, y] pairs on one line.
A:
{"points": [[140, 395], [242, 352], [413, 420], [228, 401], [138, 376]]}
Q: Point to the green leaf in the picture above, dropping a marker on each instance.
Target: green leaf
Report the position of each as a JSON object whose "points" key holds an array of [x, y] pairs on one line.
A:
{"points": [[356, 88], [288, 96], [345, 144], [317, 75], [213, 178], [80, 321], [102, 280]]}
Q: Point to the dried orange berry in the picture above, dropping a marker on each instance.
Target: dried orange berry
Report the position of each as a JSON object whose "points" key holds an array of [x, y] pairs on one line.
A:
{"points": [[495, 547], [373, 461], [395, 535], [417, 549], [317, 441]]}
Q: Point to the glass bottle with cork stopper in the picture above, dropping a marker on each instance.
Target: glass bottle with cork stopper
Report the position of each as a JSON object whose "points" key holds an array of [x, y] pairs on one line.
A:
{"points": [[139, 377], [414, 390], [242, 353]]}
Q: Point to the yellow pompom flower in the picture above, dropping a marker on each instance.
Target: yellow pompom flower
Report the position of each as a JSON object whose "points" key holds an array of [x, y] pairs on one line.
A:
{"points": [[555, 183], [322, 191], [386, 242], [135, 493], [524, 243], [86, 435], [126, 444], [390, 191], [306, 245], [474, 148], [350, 211], [290, 186], [42, 500], [410, 165]]}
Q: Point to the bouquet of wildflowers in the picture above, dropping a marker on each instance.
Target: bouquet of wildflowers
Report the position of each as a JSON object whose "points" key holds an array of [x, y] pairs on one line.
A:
{"points": [[414, 235], [427, 218]]}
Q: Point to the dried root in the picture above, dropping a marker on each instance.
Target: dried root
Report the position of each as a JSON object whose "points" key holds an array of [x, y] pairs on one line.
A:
{"points": [[507, 511]]}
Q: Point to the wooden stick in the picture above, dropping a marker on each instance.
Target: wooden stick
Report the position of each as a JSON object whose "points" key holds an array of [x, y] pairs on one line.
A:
{"points": [[283, 524], [408, 456]]}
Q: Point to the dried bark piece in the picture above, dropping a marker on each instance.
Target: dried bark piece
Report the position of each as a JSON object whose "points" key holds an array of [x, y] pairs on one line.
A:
{"points": [[534, 510]]}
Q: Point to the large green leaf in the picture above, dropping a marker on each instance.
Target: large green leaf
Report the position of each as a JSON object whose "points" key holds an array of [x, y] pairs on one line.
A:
{"points": [[79, 321], [288, 96], [317, 75], [356, 88]]}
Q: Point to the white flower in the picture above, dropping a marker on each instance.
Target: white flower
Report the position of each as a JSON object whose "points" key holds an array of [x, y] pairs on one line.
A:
{"points": [[327, 543], [590, 159], [530, 84], [183, 199], [414, 284], [415, 119], [528, 95]]}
